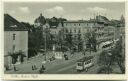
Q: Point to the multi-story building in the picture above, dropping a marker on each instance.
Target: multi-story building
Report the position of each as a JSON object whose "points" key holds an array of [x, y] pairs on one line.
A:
{"points": [[99, 25], [15, 41]]}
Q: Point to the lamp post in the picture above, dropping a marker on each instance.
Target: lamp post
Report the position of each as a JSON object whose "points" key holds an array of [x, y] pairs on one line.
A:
{"points": [[45, 47], [45, 32]]}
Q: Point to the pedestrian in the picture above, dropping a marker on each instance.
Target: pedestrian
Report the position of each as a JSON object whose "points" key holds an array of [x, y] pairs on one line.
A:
{"points": [[84, 52], [34, 66], [6, 67], [14, 67], [43, 67], [64, 56], [41, 71]]}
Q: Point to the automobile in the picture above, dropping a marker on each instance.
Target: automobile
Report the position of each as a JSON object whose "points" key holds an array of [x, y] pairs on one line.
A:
{"points": [[66, 57], [52, 58]]}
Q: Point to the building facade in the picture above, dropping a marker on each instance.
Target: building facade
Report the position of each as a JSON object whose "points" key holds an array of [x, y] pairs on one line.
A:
{"points": [[15, 41], [79, 28]]}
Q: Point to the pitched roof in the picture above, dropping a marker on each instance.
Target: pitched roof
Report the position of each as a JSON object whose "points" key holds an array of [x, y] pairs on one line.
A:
{"points": [[11, 24], [75, 21], [85, 59], [102, 19]]}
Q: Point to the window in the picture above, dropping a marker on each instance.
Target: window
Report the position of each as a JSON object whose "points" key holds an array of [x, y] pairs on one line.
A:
{"points": [[13, 26], [13, 48], [74, 30], [80, 63], [14, 36], [79, 24], [70, 31], [74, 24], [79, 31], [65, 24]]}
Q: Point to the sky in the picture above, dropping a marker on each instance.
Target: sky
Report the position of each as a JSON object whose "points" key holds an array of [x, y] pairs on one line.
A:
{"points": [[28, 11]]}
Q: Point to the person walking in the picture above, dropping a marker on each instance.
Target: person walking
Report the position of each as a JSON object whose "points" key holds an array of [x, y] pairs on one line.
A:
{"points": [[34, 67], [42, 69], [14, 67]]}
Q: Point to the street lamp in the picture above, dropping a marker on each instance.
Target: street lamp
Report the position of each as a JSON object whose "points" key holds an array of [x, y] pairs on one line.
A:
{"points": [[45, 47], [45, 32]]}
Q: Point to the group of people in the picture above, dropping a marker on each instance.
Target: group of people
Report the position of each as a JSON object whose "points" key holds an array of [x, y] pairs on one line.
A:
{"points": [[41, 70]]}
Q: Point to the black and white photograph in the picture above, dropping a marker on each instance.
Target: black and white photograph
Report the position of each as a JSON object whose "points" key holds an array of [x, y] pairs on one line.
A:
{"points": [[64, 37]]}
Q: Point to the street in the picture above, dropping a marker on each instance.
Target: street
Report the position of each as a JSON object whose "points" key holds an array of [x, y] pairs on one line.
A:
{"points": [[57, 66], [62, 40]]}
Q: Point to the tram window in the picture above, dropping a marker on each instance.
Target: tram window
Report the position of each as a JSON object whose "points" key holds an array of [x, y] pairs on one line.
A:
{"points": [[87, 62], [79, 64]]}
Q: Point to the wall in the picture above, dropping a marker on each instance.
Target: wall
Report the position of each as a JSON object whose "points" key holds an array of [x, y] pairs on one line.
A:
{"points": [[20, 42]]}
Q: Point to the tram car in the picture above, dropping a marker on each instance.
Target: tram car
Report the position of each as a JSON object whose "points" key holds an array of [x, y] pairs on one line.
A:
{"points": [[85, 63]]}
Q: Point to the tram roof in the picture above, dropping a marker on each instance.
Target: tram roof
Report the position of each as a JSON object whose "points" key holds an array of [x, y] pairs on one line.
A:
{"points": [[85, 59], [106, 43]]}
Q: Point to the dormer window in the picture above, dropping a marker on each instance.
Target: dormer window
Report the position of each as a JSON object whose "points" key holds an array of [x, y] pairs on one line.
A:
{"points": [[13, 26]]}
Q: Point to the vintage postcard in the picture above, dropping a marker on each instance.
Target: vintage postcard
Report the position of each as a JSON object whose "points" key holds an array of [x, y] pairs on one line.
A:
{"points": [[64, 40]]}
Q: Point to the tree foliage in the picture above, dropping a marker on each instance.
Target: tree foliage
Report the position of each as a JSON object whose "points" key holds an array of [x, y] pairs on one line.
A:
{"points": [[108, 59], [90, 39]]}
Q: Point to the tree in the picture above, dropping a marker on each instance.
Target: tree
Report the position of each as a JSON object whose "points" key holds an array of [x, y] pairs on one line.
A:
{"points": [[69, 40], [61, 40], [114, 56], [91, 42], [106, 62], [79, 41], [47, 37], [119, 57], [94, 41], [35, 41]]}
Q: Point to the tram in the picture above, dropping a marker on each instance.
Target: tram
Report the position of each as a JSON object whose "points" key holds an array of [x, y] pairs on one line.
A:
{"points": [[84, 63]]}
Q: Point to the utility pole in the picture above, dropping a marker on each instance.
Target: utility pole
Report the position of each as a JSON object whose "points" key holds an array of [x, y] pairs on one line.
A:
{"points": [[45, 45]]}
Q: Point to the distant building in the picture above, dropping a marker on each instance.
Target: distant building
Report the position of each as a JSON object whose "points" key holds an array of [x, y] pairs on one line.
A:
{"points": [[122, 20], [99, 25], [40, 21], [15, 41], [82, 27]]}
